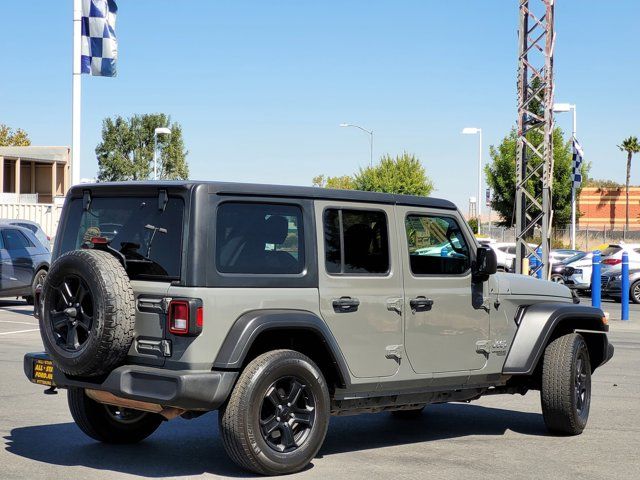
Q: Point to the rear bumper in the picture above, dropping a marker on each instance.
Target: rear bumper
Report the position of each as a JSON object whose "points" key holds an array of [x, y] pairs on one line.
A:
{"points": [[186, 389]]}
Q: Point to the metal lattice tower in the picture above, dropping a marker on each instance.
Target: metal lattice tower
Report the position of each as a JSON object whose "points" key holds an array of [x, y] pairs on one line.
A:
{"points": [[534, 156]]}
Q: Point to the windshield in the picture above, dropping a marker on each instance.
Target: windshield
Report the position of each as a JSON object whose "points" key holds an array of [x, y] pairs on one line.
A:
{"points": [[150, 239], [574, 258]]}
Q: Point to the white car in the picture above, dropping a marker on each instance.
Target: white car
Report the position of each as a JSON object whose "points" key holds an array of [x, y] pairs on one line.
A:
{"points": [[578, 273], [505, 254]]}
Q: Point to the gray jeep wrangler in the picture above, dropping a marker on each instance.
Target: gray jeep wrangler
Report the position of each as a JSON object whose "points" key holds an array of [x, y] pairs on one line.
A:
{"points": [[280, 306]]}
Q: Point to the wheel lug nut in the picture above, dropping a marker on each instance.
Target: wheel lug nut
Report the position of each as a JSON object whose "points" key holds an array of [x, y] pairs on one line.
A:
{"points": [[277, 419]]}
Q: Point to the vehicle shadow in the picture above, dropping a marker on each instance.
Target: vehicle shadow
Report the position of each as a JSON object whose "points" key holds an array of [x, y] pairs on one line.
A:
{"points": [[16, 306], [437, 422], [184, 448]]}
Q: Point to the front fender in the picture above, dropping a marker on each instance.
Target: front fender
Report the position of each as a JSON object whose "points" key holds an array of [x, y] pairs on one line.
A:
{"points": [[536, 328]]}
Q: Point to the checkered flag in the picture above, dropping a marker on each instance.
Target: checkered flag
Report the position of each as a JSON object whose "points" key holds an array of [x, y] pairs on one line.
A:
{"points": [[576, 174], [99, 44]]}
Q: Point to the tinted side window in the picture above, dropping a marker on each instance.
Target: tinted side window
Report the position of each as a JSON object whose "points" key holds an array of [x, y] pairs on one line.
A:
{"points": [[259, 238], [436, 245], [15, 240], [356, 242]]}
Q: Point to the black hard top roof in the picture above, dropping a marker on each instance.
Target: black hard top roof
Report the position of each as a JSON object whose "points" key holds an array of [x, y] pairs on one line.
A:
{"points": [[257, 189]]}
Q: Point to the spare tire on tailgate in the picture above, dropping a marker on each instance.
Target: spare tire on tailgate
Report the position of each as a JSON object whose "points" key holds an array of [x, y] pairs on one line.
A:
{"points": [[88, 313]]}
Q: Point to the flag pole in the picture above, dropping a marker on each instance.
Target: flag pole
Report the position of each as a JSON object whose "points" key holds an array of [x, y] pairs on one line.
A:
{"points": [[76, 93], [573, 190]]}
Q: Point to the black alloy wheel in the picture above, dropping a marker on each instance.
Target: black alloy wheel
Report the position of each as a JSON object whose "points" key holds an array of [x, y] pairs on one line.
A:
{"points": [[287, 414], [71, 315]]}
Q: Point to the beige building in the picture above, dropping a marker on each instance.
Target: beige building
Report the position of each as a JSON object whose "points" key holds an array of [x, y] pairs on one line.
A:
{"points": [[33, 174], [33, 183]]}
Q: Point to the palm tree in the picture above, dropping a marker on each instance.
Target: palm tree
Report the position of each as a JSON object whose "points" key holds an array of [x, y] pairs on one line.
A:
{"points": [[631, 146]]}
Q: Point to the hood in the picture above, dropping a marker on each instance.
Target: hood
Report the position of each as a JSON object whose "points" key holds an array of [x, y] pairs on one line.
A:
{"points": [[511, 283]]}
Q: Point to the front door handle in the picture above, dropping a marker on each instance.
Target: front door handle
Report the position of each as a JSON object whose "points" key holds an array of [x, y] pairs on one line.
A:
{"points": [[420, 304], [346, 305]]}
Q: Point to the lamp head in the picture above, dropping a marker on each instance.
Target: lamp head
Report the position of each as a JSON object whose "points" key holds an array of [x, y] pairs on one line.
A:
{"points": [[562, 107]]}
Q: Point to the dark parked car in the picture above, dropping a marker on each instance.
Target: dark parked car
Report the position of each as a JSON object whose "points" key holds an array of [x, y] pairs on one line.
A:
{"points": [[24, 262], [35, 228], [612, 285]]}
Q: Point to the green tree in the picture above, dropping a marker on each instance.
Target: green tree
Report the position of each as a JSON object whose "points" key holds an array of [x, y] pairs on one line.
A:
{"points": [[344, 182], [473, 223], [501, 177], [13, 138], [126, 149], [403, 174], [631, 146], [602, 183]]}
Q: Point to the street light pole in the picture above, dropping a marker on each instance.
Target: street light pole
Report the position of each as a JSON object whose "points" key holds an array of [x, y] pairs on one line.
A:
{"points": [[370, 132], [473, 131], [156, 132], [560, 108]]}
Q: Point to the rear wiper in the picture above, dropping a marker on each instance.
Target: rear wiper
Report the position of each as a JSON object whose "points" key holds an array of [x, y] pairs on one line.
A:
{"points": [[155, 229]]}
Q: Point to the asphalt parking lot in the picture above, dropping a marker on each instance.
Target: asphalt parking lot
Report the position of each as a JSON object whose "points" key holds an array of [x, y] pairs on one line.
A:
{"points": [[496, 437]]}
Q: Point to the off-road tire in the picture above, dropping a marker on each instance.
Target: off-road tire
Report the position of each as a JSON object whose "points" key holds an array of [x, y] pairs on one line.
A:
{"points": [[239, 419], [558, 391], [408, 414], [94, 419], [112, 327]]}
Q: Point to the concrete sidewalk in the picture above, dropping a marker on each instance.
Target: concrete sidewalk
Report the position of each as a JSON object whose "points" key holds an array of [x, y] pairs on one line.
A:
{"points": [[615, 312]]}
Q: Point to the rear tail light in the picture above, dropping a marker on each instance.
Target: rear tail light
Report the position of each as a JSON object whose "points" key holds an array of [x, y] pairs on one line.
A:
{"points": [[185, 317], [611, 261], [179, 317]]}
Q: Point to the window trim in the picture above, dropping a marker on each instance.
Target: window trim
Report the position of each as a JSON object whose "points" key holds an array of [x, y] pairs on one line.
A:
{"points": [[301, 241], [464, 274], [340, 208]]}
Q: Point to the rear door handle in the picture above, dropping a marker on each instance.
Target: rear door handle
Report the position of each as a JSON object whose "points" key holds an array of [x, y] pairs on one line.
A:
{"points": [[420, 304], [346, 305]]}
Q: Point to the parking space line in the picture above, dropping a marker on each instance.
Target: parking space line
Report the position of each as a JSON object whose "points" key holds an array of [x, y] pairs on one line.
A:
{"points": [[20, 331], [21, 323]]}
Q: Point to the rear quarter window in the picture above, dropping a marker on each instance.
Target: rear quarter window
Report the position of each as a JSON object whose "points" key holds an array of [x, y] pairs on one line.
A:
{"points": [[259, 238], [610, 250]]}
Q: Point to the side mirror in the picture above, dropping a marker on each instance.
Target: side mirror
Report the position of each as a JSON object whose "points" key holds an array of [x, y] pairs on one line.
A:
{"points": [[486, 264]]}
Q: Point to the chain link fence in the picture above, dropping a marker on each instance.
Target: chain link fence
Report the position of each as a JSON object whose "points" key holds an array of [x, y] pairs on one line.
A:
{"points": [[586, 238]]}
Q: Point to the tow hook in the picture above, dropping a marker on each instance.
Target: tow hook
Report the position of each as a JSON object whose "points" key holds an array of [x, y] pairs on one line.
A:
{"points": [[51, 391]]}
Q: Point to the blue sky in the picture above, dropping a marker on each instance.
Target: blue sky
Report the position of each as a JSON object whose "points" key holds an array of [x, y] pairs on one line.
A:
{"points": [[261, 86]]}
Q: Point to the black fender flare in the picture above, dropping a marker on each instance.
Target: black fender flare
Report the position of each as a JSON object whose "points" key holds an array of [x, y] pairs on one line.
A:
{"points": [[537, 325], [250, 325]]}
